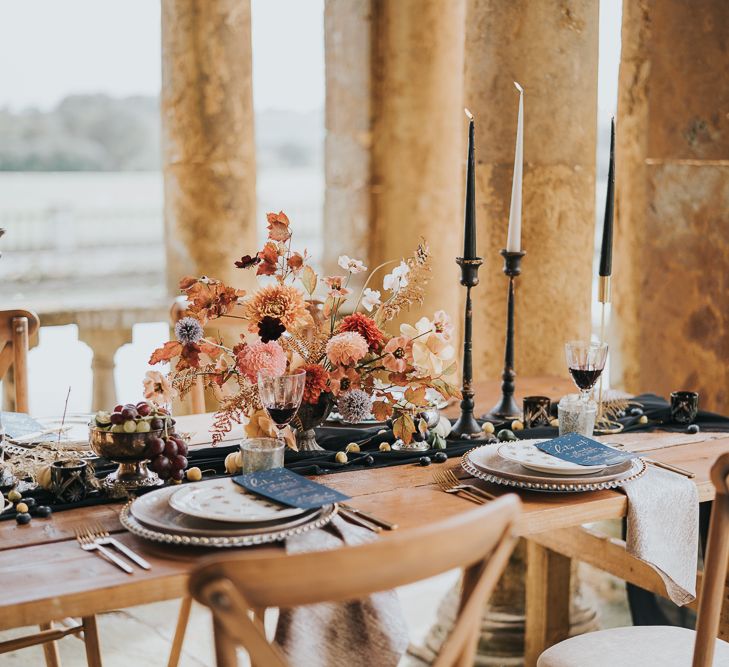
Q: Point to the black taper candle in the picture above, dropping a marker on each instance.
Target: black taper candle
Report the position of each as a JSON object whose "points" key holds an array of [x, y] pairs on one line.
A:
{"points": [[469, 237], [606, 251], [467, 426]]}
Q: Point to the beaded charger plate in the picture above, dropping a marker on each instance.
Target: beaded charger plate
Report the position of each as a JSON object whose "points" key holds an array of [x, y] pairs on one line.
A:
{"points": [[485, 463], [153, 510], [277, 533]]}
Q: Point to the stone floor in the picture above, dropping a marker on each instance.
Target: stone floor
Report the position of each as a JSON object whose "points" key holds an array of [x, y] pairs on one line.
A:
{"points": [[140, 636]]}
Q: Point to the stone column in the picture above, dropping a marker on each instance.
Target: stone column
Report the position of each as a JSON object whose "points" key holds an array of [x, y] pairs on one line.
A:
{"points": [[208, 143], [551, 50], [670, 296], [104, 343], [347, 37], [419, 132]]}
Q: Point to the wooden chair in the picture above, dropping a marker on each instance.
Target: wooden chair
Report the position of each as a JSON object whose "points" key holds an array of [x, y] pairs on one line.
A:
{"points": [[480, 541], [197, 393], [16, 328], [654, 646]]}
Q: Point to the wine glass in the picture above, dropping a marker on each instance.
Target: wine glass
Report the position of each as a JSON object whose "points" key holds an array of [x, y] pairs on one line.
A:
{"points": [[281, 395], [586, 361]]}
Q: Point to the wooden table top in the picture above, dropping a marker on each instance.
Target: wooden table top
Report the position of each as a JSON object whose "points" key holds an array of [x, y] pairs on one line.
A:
{"points": [[44, 575]]}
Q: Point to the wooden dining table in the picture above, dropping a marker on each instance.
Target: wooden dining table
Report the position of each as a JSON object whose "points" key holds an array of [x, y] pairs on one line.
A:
{"points": [[45, 576]]}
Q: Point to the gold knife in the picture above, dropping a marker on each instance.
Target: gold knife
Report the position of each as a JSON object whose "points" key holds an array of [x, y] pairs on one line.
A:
{"points": [[371, 517], [358, 520], [669, 467]]}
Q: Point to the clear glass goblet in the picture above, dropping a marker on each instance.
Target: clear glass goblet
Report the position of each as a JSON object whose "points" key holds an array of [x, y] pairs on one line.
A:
{"points": [[586, 361], [281, 395]]}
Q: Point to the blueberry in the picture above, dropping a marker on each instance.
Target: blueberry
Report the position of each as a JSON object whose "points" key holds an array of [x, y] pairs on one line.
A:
{"points": [[636, 412], [424, 460], [693, 428], [30, 503], [43, 511], [22, 518], [505, 435], [440, 457], [368, 460]]}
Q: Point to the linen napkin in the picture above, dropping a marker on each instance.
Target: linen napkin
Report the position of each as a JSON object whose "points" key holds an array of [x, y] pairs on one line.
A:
{"points": [[663, 529], [361, 633]]}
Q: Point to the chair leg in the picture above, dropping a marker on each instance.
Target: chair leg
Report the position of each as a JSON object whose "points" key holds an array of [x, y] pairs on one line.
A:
{"points": [[182, 619], [91, 641], [50, 649], [225, 655], [20, 362]]}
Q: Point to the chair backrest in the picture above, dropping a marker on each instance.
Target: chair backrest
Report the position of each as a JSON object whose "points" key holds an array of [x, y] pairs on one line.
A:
{"points": [[715, 567], [197, 393], [16, 328], [479, 541]]}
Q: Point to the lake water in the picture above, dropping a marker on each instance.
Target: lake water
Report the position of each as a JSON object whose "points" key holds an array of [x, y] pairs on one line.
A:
{"points": [[75, 237]]}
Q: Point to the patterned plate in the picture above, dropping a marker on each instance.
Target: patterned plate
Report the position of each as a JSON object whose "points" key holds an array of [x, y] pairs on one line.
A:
{"points": [[526, 453], [224, 500], [154, 511], [319, 519], [485, 463]]}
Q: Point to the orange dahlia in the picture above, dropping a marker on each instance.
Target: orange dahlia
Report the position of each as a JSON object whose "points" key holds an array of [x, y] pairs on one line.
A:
{"points": [[281, 302], [315, 383], [366, 327]]}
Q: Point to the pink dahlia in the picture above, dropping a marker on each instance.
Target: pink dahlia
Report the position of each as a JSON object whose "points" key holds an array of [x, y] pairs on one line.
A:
{"points": [[346, 348], [268, 357]]}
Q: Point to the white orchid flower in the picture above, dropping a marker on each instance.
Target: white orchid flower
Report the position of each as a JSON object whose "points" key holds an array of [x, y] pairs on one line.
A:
{"points": [[396, 280], [370, 299], [352, 265]]}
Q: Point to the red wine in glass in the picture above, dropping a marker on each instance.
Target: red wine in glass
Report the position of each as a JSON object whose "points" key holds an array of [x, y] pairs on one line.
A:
{"points": [[585, 378], [282, 414], [585, 360]]}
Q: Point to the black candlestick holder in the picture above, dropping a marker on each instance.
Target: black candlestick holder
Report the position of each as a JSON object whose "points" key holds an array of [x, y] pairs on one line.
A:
{"points": [[467, 424], [507, 408]]}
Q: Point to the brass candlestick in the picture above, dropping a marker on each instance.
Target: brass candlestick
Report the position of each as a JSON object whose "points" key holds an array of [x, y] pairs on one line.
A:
{"points": [[507, 409], [467, 424]]}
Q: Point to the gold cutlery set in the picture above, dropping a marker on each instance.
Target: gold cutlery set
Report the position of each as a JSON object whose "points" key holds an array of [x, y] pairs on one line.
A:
{"points": [[96, 538]]}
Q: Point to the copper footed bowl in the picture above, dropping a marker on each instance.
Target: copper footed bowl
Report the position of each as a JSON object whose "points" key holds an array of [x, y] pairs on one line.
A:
{"points": [[130, 451]]}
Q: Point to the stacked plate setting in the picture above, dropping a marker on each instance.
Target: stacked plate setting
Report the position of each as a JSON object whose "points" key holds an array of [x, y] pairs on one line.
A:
{"points": [[217, 513], [521, 464]]}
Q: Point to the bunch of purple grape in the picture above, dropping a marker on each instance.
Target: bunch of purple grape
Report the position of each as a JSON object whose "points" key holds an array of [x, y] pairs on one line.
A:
{"points": [[168, 456]]}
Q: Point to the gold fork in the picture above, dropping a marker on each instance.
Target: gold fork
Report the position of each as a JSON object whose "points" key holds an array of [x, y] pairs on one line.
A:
{"points": [[102, 537], [448, 482], [87, 543]]}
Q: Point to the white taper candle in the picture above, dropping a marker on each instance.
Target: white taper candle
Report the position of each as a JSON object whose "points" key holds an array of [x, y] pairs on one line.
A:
{"points": [[513, 240]]}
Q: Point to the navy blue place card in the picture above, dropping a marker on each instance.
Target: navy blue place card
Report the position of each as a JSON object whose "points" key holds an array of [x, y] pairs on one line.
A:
{"points": [[288, 488], [579, 449], [18, 424]]}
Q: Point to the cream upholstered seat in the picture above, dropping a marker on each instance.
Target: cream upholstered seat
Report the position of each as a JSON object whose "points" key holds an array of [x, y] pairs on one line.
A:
{"points": [[666, 646], [642, 646]]}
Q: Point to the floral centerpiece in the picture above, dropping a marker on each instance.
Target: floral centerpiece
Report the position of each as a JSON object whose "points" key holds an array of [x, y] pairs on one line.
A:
{"points": [[297, 320]]}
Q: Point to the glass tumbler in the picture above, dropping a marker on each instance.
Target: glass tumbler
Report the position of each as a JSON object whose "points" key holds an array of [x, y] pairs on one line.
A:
{"points": [[684, 406], [258, 454], [576, 415]]}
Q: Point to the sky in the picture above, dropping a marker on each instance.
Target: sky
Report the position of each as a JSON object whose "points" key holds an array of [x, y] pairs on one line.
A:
{"points": [[51, 48]]}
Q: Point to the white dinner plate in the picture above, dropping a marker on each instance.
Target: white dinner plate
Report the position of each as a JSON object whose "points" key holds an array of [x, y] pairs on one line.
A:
{"points": [[525, 453], [224, 500]]}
